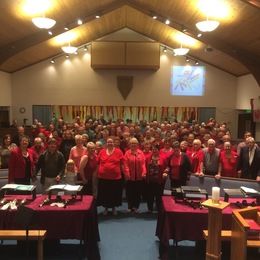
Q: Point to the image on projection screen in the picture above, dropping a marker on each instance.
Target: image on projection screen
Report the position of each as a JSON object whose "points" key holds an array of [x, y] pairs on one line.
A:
{"points": [[187, 80]]}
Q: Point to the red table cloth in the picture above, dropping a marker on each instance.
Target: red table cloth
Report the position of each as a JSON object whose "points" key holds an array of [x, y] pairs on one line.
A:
{"points": [[178, 221], [77, 221]]}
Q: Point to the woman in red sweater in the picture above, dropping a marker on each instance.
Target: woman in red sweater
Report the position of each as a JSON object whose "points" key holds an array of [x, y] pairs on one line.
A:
{"points": [[179, 167], [135, 171], [155, 178], [88, 170], [110, 161], [21, 166], [196, 157]]}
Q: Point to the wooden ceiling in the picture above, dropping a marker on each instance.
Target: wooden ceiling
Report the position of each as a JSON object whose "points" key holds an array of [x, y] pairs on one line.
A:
{"points": [[235, 44]]}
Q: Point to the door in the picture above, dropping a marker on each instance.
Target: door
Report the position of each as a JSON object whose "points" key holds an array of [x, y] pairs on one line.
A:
{"points": [[245, 123], [4, 118]]}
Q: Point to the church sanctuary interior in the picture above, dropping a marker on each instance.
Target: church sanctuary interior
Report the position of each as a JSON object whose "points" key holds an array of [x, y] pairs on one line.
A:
{"points": [[130, 129]]}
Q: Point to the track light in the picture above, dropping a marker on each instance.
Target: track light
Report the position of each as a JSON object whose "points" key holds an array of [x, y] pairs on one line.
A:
{"points": [[52, 61], [167, 21], [66, 28], [154, 17], [85, 48], [67, 56], [79, 22], [97, 16], [164, 49], [199, 35], [50, 32]]}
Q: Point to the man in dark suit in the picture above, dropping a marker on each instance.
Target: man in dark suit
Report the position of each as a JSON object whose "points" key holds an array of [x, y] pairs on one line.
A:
{"points": [[249, 160]]}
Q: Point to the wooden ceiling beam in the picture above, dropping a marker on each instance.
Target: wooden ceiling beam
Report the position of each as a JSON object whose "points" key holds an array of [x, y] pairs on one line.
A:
{"points": [[193, 57], [255, 3], [15, 47], [246, 58], [252, 62]]}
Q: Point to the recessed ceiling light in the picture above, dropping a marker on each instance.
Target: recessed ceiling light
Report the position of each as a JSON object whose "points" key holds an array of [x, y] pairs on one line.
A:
{"points": [[79, 22], [52, 61], [97, 16], [66, 28], [50, 32], [167, 21], [155, 17], [199, 35]]}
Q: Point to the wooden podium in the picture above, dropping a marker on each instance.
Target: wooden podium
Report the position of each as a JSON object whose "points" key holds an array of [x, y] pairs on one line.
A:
{"points": [[213, 250], [241, 231]]}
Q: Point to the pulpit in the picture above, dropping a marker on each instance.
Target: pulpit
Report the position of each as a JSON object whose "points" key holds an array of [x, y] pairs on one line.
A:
{"points": [[213, 249], [245, 232]]}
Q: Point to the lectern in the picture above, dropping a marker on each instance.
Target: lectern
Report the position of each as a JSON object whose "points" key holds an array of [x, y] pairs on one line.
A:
{"points": [[245, 232], [213, 249]]}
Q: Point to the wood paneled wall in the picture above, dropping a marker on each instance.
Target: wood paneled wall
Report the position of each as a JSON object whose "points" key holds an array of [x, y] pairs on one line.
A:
{"points": [[125, 55]]}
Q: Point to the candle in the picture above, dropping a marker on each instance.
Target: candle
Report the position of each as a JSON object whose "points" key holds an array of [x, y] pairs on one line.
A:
{"points": [[215, 194]]}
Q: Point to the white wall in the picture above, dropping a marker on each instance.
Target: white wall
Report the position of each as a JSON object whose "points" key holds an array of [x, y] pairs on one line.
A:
{"points": [[248, 88], [5, 91], [5, 88], [72, 82]]}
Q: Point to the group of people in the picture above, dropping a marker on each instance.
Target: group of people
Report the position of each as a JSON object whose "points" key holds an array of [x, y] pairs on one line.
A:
{"points": [[107, 156]]}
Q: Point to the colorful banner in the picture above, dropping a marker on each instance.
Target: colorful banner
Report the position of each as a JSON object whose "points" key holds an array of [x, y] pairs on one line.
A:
{"points": [[134, 113]]}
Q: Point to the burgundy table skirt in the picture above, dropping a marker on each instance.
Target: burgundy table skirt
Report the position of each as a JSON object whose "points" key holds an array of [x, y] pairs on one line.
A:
{"points": [[178, 221], [77, 221]]}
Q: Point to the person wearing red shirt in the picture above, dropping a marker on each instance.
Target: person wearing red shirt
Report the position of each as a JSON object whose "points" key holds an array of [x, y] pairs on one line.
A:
{"points": [[135, 171], [98, 147], [77, 152], [166, 151], [190, 140], [147, 150], [21, 164], [155, 178], [110, 161], [184, 146], [179, 167], [158, 139], [37, 149], [196, 157], [228, 162], [88, 170]]}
